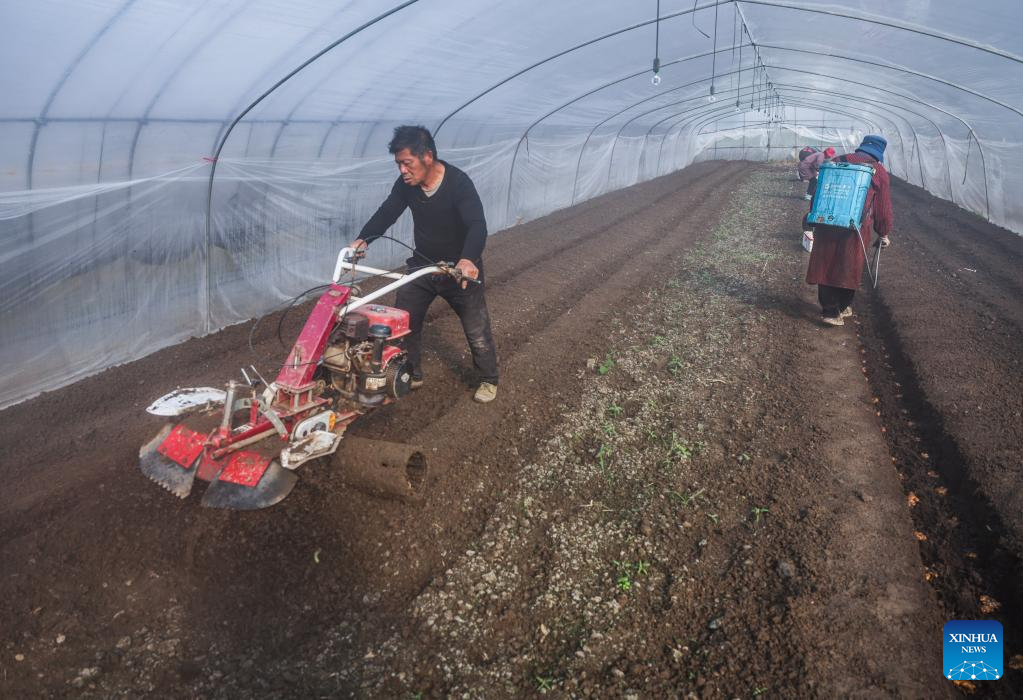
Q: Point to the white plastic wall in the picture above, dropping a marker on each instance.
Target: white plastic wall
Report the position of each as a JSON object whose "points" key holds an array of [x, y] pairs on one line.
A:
{"points": [[113, 109]]}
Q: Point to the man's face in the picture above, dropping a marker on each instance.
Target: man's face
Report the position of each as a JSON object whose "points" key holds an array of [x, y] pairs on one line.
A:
{"points": [[413, 169]]}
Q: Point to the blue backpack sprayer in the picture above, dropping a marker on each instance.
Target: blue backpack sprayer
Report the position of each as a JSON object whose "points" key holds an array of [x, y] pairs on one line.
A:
{"points": [[841, 195]]}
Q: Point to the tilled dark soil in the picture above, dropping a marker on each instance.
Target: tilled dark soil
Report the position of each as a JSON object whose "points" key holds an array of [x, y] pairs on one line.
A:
{"points": [[685, 485]]}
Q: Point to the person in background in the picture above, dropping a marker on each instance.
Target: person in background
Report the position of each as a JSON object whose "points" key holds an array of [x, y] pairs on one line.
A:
{"points": [[837, 259], [803, 153], [449, 225], [810, 166]]}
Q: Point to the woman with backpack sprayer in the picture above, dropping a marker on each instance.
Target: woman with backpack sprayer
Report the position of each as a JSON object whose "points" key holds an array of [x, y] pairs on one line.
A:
{"points": [[839, 252]]}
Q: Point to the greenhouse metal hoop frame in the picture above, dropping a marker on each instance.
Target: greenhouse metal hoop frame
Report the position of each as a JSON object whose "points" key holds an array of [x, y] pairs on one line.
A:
{"points": [[221, 140]]}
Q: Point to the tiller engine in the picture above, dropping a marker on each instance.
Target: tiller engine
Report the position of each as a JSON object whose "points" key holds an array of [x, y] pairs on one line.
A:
{"points": [[248, 439]]}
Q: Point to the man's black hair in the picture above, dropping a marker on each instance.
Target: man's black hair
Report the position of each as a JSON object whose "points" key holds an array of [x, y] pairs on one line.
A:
{"points": [[416, 139]]}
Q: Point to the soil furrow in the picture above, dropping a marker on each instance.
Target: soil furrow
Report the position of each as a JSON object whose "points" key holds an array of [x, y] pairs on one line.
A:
{"points": [[966, 545], [971, 253]]}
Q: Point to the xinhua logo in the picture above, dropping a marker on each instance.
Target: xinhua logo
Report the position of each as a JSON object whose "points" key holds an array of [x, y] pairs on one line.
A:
{"points": [[972, 650]]}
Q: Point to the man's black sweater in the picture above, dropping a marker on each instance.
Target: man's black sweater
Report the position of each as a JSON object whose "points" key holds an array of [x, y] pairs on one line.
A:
{"points": [[448, 226]]}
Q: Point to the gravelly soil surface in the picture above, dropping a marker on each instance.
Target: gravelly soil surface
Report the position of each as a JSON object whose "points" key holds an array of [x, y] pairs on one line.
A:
{"points": [[687, 486]]}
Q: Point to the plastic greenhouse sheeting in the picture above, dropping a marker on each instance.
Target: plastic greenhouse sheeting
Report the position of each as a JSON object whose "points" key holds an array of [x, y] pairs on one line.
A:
{"points": [[114, 244]]}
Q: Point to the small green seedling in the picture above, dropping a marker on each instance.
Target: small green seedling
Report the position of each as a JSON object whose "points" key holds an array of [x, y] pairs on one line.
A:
{"points": [[679, 449], [685, 499], [714, 517], [614, 410], [544, 683], [624, 583], [606, 365], [757, 512]]}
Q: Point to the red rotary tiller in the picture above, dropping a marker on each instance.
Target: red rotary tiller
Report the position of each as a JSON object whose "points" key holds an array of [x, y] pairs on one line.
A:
{"points": [[247, 442]]}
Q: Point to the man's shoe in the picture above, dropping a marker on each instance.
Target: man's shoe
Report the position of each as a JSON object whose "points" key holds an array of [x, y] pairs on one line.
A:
{"points": [[845, 313], [833, 320], [486, 393], [415, 383]]}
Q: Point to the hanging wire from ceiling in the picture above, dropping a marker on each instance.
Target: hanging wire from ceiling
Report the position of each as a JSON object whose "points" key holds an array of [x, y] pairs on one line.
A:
{"points": [[735, 28], [714, 54], [738, 82], [656, 79]]}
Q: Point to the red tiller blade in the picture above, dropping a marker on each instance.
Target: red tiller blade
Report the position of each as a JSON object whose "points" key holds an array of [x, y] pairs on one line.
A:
{"points": [[249, 481], [169, 458]]}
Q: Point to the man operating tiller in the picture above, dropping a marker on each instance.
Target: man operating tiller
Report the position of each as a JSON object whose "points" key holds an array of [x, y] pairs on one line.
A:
{"points": [[449, 225]]}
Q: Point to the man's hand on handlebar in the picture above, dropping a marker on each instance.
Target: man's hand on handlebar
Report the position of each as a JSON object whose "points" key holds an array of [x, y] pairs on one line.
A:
{"points": [[359, 246], [466, 272]]}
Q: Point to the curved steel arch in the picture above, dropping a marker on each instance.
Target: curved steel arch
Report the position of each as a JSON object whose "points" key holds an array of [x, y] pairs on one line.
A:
{"points": [[752, 91], [941, 134], [822, 106], [891, 24], [767, 121], [827, 107], [738, 5], [901, 69], [692, 10], [559, 54], [831, 113], [227, 134], [807, 103], [765, 67], [580, 97], [780, 67], [645, 99], [316, 88], [725, 108], [640, 116], [714, 113], [681, 124], [254, 84], [610, 166], [916, 74], [755, 90], [41, 120], [969, 127], [213, 31], [929, 77], [834, 111]]}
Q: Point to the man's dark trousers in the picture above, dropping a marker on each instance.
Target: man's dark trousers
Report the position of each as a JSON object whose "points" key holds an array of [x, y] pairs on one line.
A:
{"points": [[469, 304]]}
